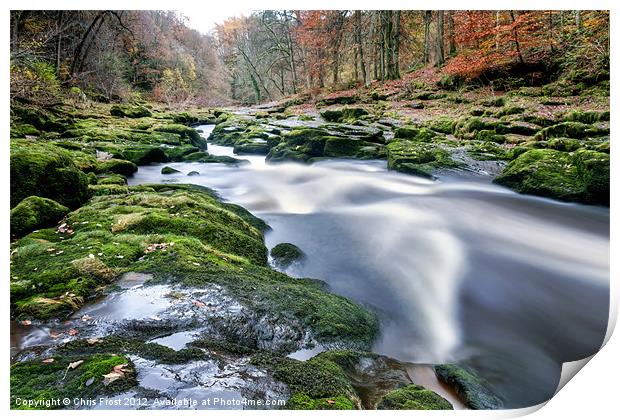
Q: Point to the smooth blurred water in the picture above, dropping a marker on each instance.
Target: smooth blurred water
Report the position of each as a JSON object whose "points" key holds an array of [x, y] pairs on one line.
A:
{"points": [[458, 269]]}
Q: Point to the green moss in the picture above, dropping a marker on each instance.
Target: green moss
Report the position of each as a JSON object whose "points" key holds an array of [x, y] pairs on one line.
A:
{"points": [[142, 154], [342, 147], [112, 179], [509, 110], [129, 111], [133, 343], [213, 243], [418, 158], [313, 379], [346, 114], [413, 397], [38, 381], [107, 189], [486, 151], [443, 125], [285, 254], [587, 117], [44, 170], [490, 136], [582, 176], [43, 120], [495, 101], [23, 130], [167, 170], [116, 166], [572, 129], [301, 401], [34, 213], [185, 132], [471, 389], [189, 118], [300, 144]]}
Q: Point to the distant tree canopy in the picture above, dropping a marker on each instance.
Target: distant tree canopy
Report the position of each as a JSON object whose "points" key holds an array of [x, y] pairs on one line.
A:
{"points": [[112, 55]]}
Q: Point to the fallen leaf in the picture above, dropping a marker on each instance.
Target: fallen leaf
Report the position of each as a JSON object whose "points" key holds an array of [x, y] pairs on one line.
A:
{"points": [[47, 361], [93, 340], [73, 332], [89, 382], [73, 365], [54, 335], [26, 322], [330, 401], [119, 368], [111, 377]]}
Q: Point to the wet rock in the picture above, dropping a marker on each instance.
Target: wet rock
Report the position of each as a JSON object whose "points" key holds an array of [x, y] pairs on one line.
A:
{"points": [[581, 176], [193, 173], [418, 158], [130, 111], [34, 213], [470, 388], [413, 397], [167, 170], [285, 254], [44, 170]]}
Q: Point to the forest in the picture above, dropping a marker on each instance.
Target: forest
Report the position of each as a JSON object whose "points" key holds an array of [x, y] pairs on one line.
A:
{"points": [[120, 55], [306, 209]]}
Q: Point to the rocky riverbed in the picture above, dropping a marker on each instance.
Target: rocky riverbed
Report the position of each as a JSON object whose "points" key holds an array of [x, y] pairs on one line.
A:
{"points": [[149, 292]]}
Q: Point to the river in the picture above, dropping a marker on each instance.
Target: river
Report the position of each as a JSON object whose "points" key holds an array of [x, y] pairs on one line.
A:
{"points": [[459, 269]]}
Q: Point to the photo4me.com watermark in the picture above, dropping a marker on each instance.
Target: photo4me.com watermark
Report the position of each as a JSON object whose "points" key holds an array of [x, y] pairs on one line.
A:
{"points": [[135, 402]]}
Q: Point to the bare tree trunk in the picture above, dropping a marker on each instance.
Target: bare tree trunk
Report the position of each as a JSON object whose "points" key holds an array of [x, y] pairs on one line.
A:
{"points": [[516, 38], [396, 46], [440, 50], [427, 26], [360, 48], [59, 43], [452, 43], [78, 51]]}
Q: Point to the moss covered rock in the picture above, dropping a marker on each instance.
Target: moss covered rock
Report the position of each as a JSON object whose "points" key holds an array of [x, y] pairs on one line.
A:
{"points": [[35, 212], [470, 388], [285, 254], [55, 271], [130, 111], [414, 397], [572, 129], [417, 158], [44, 170], [301, 401], [58, 378], [311, 382], [346, 114], [167, 170], [581, 176], [116, 166], [414, 134], [184, 132]]}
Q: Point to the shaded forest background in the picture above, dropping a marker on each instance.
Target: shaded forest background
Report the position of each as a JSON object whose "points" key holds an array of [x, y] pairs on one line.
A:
{"points": [[119, 56]]}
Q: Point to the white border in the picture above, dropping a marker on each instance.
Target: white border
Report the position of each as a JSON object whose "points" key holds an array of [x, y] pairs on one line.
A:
{"points": [[591, 395]]}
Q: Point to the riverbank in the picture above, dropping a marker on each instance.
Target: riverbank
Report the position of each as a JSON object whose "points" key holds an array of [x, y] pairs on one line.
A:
{"points": [[88, 246]]}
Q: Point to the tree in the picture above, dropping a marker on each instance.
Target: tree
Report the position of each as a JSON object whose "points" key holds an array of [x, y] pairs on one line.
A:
{"points": [[440, 38]]}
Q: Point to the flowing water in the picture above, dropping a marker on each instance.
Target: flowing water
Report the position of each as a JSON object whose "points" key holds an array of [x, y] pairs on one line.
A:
{"points": [[459, 269]]}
